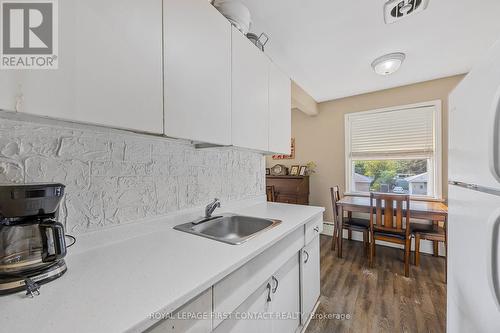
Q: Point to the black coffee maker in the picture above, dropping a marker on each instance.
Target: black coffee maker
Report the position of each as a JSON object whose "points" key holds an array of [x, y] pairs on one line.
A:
{"points": [[32, 243]]}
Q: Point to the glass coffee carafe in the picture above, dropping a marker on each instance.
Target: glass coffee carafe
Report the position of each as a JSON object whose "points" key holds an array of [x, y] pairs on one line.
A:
{"points": [[30, 237], [30, 246]]}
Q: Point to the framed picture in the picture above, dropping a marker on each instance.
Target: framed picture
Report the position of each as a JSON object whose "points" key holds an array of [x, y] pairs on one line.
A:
{"points": [[294, 170], [287, 157], [303, 170], [268, 171]]}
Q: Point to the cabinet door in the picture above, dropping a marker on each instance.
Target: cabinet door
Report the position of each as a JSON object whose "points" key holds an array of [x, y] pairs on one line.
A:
{"points": [[197, 72], [250, 94], [250, 317], [235, 288], [286, 297], [119, 63], [179, 324], [310, 277], [280, 111], [110, 67], [9, 89]]}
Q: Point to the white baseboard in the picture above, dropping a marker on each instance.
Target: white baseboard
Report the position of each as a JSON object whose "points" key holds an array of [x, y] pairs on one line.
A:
{"points": [[425, 246], [327, 228]]}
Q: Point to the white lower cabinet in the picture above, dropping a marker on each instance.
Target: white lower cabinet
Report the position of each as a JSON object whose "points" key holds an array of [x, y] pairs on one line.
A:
{"points": [[273, 307], [182, 320], [275, 292], [249, 317], [235, 288], [310, 277], [285, 300]]}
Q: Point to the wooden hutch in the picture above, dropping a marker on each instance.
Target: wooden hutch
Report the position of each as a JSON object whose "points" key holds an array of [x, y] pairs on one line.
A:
{"points": [[290, 189]]}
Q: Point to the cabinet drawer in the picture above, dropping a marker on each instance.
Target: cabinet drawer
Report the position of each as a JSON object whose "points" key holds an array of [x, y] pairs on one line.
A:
{"points": [[181, 322], [313, 229], [256, 303], [234, 289], [290, 199]]}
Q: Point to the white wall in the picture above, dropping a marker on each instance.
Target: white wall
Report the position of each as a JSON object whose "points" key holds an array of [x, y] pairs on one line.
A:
{"points": [[115, 177]]}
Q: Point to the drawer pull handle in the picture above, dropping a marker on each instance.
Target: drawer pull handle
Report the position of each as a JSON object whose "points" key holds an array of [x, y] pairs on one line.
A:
{"points": [[277, 284], [316, 229], [268, 292], [307, 257]]}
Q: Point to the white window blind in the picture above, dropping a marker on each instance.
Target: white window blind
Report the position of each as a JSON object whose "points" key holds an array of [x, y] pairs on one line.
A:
{"points": [[403, 132]]}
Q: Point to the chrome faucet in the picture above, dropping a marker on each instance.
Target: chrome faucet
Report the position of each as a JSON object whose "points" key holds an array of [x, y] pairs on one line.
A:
{"points": [[209, 209]]}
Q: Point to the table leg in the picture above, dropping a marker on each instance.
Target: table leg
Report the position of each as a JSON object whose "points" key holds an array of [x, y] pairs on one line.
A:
{"points": [[341, 229], [435, 244], [445, 225], [349, 232]]}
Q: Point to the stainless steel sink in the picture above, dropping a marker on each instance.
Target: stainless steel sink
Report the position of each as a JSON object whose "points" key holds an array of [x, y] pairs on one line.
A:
{"points": [[228, 228]]}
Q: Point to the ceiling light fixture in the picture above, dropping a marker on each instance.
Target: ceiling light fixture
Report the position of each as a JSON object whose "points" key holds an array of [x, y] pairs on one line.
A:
{"points": [[388, 64]]}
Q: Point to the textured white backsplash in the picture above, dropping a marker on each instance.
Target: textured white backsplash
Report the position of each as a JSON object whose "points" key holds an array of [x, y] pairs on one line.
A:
{"points": [[115, 177]]}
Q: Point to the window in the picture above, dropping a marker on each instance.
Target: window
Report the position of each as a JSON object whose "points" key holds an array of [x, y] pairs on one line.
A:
{"points": [[395, 150]]}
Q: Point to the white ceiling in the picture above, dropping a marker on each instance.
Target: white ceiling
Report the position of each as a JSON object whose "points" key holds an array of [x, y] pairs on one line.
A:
{"points": [[327, 46]]}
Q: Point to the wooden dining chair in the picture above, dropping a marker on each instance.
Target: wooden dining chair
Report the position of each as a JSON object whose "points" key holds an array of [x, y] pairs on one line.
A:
{"points": [[431, 232], [349, 223], [270, 193], [386, 223]]}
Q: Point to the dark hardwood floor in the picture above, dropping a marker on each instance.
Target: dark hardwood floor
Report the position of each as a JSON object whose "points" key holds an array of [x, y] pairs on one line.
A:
{"points": [[380, 299]]}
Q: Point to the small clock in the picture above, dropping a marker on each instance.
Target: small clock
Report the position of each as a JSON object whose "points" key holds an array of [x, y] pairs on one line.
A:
{"points": [[279, 170]]}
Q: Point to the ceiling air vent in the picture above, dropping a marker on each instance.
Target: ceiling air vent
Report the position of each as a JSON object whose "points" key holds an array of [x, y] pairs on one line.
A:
{"points": [[395, 10]]}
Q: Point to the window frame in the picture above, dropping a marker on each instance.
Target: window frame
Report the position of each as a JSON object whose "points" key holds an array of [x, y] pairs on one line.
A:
{"points": [[434, 167]]}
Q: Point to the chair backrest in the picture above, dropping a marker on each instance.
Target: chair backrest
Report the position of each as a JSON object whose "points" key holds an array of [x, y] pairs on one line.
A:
{"points": [[335, 194], [387, 213], [271, 194]]}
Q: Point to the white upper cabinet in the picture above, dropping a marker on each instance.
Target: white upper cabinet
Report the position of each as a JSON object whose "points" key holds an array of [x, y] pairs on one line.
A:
{"points": [[110, 67], [119, 63], [250, 94], [173, 67], [280, 111], [197, 72]]}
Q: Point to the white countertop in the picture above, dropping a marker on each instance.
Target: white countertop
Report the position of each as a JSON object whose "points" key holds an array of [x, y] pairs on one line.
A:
{"points": [[114, 285]]}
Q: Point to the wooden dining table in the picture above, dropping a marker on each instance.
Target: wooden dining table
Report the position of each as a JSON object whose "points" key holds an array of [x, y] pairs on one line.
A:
{"points": [[434, 211]]}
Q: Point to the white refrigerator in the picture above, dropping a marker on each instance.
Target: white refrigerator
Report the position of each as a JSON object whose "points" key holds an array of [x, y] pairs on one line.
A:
{"points": [[473, 289]]}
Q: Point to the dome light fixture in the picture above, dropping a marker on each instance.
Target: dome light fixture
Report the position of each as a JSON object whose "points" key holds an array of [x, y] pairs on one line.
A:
{"points": [[388, 64]]}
